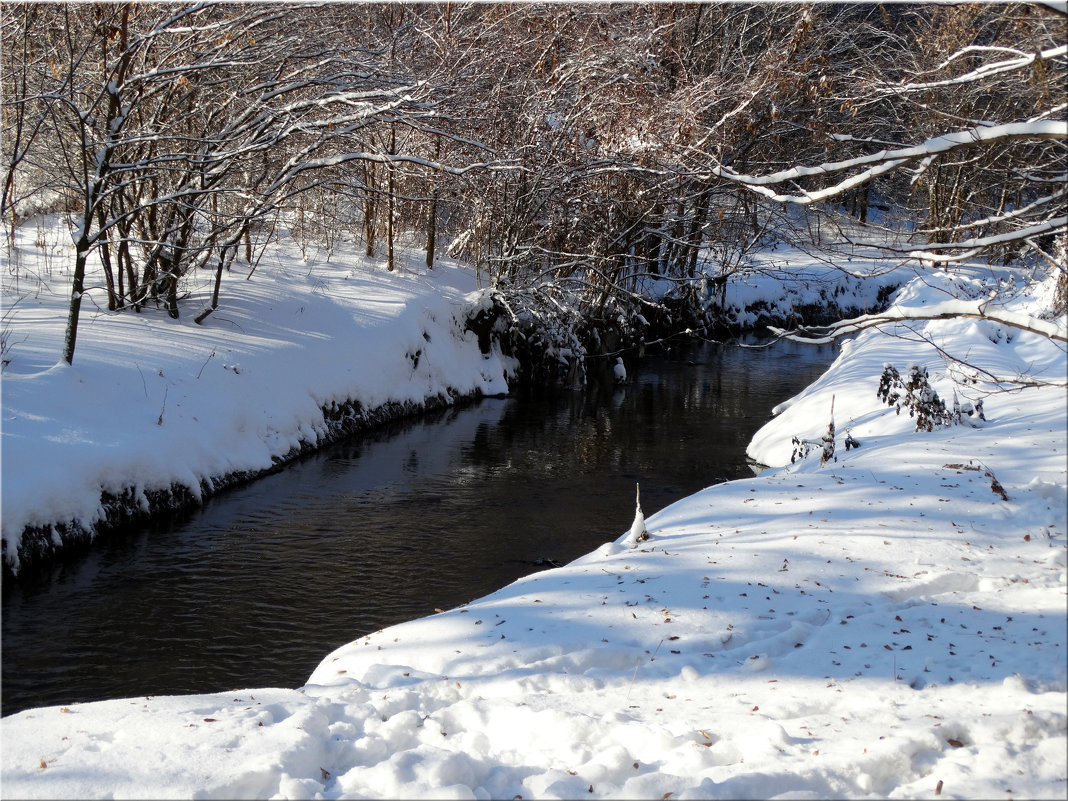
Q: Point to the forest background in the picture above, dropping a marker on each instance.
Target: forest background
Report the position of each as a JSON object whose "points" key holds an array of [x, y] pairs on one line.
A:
{"points": [[568, 151], [616, 175]]}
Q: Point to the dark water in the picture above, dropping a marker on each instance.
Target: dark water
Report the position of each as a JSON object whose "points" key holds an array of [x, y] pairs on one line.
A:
{"points": [[256, 587]]}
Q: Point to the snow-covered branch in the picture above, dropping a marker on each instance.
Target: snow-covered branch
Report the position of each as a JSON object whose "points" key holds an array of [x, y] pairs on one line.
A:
{"points": [[875, 164], [1021, 61], [824, 335]]}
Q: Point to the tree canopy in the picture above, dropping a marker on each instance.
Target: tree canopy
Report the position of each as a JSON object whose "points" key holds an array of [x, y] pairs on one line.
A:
{"points": [[563, 149]]}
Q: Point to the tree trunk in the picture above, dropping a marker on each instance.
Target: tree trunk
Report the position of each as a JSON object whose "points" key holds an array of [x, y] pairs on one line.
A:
{"points": [[70, 339], [114, 300], [693, 239], [431, 232], [218, 281], [389, 198], [109, 275], [432, 213], [369, 210]]}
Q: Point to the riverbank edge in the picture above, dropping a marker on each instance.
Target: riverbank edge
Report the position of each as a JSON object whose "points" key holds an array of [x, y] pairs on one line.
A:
{"points": [[43, 545]]}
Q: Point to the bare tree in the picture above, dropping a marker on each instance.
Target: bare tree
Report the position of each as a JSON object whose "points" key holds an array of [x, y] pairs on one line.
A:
{"points": [[574, 153], [990, 164], [177, 128]]}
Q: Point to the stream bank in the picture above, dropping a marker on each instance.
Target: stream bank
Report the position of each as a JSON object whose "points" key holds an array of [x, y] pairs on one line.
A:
{"points": [[134, 507], [425, 512], [156, 414]]}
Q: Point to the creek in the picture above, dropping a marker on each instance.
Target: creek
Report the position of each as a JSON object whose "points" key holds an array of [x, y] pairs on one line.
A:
{"points": [[258, 585]]}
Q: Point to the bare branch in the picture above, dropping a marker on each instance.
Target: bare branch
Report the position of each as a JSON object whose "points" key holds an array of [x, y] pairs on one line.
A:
{"points": [[887, 160], [824, 335]]}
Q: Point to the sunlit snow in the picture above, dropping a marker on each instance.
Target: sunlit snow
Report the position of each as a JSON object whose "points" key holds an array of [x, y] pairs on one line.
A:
{"points": [[891, 624]]}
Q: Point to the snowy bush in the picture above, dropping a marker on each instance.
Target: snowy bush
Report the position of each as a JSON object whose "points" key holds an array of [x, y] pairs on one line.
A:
{"points": [[803, 447], [916, 394]]}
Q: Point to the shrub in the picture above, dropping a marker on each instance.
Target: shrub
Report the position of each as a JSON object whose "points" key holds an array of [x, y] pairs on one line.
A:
{"points": [[917, 395]]}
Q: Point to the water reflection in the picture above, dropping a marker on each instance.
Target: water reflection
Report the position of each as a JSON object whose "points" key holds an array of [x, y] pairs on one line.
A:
{"points": [[257, 586]]}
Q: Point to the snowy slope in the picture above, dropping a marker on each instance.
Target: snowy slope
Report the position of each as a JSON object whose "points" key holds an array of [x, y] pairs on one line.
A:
{"points": [[150, 401], [890, 624]]}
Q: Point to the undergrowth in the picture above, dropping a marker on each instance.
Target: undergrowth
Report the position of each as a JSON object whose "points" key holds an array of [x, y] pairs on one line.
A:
{"points": [[916, 394]]}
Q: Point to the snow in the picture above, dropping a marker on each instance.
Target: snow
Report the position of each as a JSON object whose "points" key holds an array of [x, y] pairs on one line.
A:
{"points": [[891, 624], [778, 281], [637, 532], [190, 402]]}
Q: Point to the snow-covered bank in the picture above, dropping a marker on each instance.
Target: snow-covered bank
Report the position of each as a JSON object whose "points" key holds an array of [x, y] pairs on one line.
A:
{"points": [[890, 624], [306, 349], [787, 286], [157, 413]]}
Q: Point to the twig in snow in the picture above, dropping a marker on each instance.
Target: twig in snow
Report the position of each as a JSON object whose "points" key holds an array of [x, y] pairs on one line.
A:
{"points": [[638, 664], [828, 440], [638, 532], [142, 380], [205, 364], [159, 422]]}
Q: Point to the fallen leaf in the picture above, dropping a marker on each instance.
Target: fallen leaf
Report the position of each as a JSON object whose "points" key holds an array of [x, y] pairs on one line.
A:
{"points": [[955, 743]]}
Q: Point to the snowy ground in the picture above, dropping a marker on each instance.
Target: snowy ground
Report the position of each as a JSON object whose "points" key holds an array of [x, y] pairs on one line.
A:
{"points": [[151, 401], [890, 624]]}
